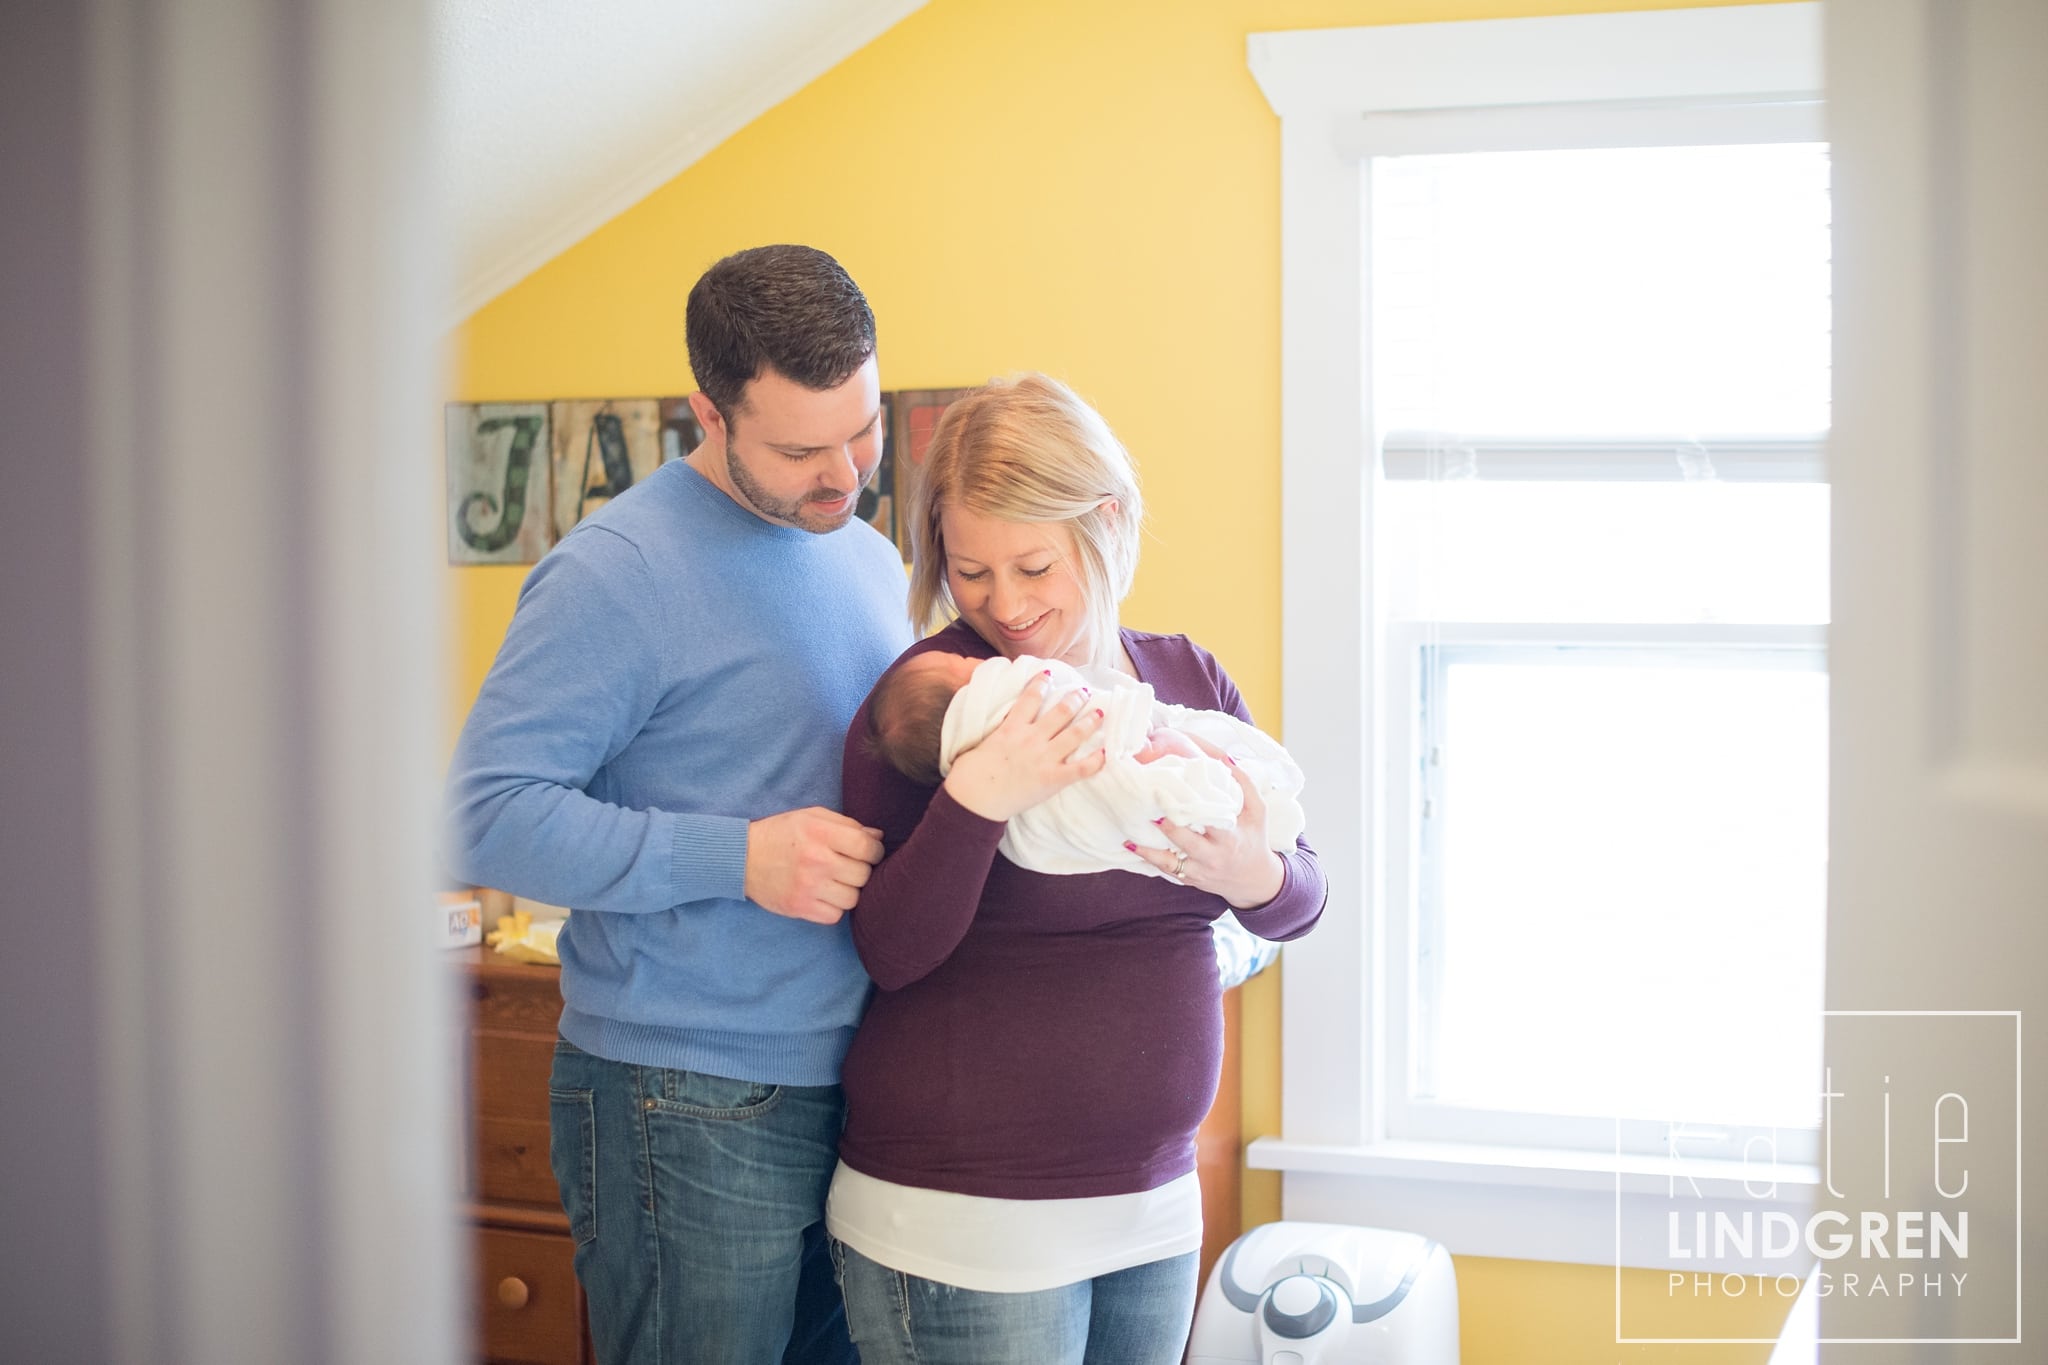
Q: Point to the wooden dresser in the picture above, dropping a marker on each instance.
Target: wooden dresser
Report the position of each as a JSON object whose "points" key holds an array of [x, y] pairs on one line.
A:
{"points": [[527, 1307]]}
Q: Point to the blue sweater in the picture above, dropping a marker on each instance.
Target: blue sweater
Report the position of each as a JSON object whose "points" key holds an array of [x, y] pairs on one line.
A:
{"points": [[677, 667]]}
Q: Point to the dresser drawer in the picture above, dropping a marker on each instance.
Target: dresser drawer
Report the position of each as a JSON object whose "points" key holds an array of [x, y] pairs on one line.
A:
{"points": [[511, 1161], [514, 1010], [509, 1117], [529, 1308], [511, 1075], [511, 998]]}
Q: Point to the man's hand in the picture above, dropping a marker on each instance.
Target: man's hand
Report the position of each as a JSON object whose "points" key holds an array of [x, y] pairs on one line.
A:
{"points": [[810, 864]]}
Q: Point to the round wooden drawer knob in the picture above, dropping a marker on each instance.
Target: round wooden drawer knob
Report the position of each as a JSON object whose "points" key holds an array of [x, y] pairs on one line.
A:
{"points": [[512, 1292]]}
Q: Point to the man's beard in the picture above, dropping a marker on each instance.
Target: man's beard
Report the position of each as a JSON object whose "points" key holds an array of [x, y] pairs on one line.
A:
{"points": [[789, 511]]}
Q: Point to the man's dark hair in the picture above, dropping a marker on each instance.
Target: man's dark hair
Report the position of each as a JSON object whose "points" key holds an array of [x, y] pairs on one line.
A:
{"points": [[792, 308]]}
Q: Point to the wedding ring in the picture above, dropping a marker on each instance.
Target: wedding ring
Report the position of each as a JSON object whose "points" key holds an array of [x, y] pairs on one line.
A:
{"points": [[1180, 862]]}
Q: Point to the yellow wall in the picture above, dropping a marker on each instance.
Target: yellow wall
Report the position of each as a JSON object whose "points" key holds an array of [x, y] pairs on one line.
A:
{"points": [[1087, 187]]}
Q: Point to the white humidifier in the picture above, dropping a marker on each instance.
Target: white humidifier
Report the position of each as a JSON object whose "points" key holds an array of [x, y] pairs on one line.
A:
{"points": [[1328, 1294]]}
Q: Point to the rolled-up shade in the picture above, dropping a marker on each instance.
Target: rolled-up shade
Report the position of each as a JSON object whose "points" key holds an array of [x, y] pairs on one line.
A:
{"points": [[1624, 459], [1631, 313]]}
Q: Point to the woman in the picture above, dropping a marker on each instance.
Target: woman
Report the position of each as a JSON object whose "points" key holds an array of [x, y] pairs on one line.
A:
{"points": [[1016, 1178]]}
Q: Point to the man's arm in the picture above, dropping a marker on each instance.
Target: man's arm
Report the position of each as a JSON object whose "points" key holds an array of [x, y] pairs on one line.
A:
{"points": [[581, 670], [577, 677]]}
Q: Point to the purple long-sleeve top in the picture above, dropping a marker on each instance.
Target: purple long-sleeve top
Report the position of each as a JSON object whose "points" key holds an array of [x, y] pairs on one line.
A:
{"points": [[1036, 1036]]}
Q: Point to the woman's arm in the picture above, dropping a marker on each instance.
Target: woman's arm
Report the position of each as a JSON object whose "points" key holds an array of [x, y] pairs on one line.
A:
{"points": [[1304, 890], [921, 898], [1298, 905], [1278, 896], [938, 844]]}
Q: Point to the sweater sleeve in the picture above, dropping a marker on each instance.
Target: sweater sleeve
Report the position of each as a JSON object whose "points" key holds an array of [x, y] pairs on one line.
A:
{"points": [[583, 666], [1304, 890], [921, 899]]}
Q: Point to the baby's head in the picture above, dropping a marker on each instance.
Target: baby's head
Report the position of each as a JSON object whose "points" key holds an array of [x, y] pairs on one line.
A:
{"points": [[908, 712]]}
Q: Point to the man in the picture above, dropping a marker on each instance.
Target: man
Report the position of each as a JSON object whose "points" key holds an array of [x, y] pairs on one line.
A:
{"points": [[657, 747]]}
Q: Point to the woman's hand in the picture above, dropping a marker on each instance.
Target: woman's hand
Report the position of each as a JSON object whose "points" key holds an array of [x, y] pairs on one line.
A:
{"points": [[1038, 748], [1233, 863]]}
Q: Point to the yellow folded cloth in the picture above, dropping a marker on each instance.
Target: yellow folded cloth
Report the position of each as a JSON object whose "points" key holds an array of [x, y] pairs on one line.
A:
{"points": [[523, 938]]}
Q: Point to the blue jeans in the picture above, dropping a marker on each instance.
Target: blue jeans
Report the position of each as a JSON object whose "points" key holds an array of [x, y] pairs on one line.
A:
{"points": [[697, 1206], [1138, 1316]]}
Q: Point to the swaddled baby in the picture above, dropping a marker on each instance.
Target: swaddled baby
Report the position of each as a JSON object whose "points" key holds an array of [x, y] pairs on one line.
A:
{"points": [[931, 708]]}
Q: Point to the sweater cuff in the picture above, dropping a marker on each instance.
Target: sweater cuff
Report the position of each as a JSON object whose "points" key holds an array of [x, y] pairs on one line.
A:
{"points": [[1277, 898], [1304, 894], [708, 858]]}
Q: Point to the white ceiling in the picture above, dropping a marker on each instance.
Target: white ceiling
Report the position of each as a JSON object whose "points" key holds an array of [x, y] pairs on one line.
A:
{"points": [[557, 115]]}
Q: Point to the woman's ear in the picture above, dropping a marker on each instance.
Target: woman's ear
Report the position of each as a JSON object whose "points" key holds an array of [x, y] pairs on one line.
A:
{"points": [[1108, 506]]}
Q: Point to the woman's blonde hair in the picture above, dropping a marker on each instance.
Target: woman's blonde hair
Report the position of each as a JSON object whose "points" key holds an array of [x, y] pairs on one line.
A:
{"points": [[1027, 449]]}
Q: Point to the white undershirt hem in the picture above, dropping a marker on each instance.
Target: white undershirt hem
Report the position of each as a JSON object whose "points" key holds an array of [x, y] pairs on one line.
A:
{"points": [[1011, 1246]]}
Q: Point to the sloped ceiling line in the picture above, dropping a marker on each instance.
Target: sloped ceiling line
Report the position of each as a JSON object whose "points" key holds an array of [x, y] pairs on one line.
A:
{"points": [[557, 115]]}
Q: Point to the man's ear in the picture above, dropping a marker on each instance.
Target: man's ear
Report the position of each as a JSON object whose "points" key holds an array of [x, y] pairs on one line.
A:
{"points": [[708, 417]]}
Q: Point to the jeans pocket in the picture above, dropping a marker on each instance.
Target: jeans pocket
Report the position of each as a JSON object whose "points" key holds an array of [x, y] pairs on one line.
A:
{"points": [[572, 1155], [704, 1096]]}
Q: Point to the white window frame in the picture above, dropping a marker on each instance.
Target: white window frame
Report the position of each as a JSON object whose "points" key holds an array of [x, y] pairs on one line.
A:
{"points": [[1741, 73]]}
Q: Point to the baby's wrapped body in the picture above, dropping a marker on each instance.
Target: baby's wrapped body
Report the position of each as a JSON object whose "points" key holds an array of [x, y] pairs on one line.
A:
{"points": [[1083, 828]]}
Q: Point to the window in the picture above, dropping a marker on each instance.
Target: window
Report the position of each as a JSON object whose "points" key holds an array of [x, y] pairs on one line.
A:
{"points": [[1605, 735], [1567, 694]]}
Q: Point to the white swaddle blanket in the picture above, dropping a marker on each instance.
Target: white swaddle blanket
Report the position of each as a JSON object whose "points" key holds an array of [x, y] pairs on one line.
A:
{"points": [[1082, 828]]}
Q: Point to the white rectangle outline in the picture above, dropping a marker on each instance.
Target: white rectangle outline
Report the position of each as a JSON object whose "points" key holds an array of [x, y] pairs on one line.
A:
{"points": [[2019, 1221]]}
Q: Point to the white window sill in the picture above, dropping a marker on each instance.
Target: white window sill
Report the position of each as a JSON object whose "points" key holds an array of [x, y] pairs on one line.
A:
{"points": [[1526, 1203]]}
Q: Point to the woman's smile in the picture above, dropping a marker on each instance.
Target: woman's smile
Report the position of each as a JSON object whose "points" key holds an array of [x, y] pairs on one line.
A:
{"points": [[1023, 628]]}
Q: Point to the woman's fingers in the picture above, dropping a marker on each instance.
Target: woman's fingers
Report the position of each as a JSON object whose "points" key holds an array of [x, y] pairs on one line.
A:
{"points": [[1165, 859], [1254, 804], [1074, 743], [1064, 723], [1091, 761], [1254, 812], [1030, 703], [1185, 847], [1060, 712], [1036, 707]]}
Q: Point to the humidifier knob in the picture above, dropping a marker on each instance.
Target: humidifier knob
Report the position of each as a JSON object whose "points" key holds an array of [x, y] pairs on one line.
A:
{"points": [[1299, 1306]]}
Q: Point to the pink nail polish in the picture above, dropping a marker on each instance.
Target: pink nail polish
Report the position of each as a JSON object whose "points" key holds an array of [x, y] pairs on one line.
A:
{"points": [[1098, 713], [1158, 819], [1231, 761], [1131, 847]]}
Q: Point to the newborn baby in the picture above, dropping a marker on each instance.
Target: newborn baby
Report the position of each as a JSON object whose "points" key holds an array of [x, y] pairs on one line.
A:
{"points": [[933, 707]]}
